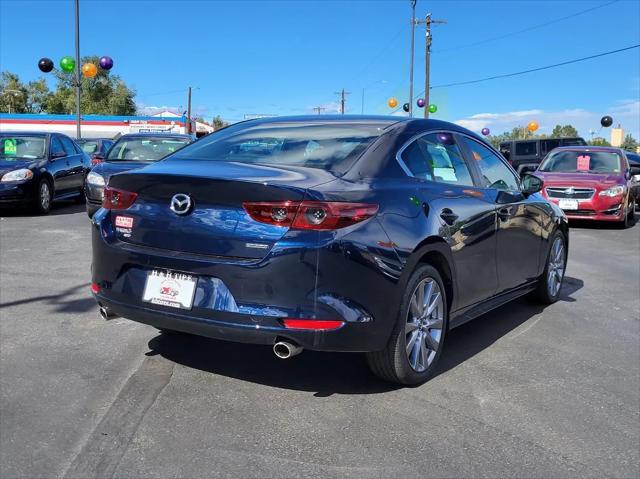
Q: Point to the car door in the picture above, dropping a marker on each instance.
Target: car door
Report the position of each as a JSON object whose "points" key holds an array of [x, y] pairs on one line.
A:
{"points": [[520, 220], [466, 213], [58, 166], [75, 163]]}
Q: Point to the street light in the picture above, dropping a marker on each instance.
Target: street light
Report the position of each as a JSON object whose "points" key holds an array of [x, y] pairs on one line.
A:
{"points": [[69, 65]]}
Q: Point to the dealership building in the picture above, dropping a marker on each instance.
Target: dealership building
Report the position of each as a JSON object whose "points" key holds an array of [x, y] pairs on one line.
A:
{"points": [[101, 126]]}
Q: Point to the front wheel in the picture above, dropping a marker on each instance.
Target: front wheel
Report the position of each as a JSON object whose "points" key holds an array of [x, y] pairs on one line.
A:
{"points": [[550, 283], [44, 196], [417, 339]]}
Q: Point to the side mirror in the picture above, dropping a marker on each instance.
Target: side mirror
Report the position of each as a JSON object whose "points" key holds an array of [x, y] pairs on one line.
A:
{"points": [[58, 154], [531, 184]]}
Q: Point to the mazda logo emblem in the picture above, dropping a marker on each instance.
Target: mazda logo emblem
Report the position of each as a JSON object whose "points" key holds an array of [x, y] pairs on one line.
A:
{"points": [[181, 204]]}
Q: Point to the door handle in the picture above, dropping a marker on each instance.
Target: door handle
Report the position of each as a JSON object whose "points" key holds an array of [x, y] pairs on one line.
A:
{"points": [[505, 213], [448, 216]]}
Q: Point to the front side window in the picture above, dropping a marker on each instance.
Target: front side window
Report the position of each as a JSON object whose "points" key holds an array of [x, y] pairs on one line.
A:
{"points": [[577, 161], [526, 148], [56, 146], [436, 157], [145, 149], [67, 144], [495, 174]]}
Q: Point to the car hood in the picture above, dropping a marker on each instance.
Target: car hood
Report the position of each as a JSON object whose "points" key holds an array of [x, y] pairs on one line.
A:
{"points": [[10, 165], [108, 168], [579, 179]]}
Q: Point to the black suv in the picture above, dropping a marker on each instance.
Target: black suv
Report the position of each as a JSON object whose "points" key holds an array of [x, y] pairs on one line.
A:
{"points": [[526, 155]]}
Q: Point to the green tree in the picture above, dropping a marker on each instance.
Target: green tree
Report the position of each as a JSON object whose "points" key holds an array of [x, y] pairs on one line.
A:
{"points": [[629, 143], [218, 123], [564, 131], [104, 94], [599, 141], [13, 94]]}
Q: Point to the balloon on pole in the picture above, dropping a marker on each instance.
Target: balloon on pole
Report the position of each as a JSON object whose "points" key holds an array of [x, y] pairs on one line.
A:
{"points": [[485, 131], [406, 107], [45, 65], [67, 64], [420, 102], [533, 126], [89, 70], [392, 102], [106, 63], [606, 121], [433, 108]]}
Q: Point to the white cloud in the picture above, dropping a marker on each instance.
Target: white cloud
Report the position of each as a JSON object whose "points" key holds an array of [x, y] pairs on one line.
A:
{"points": [[152, 110], [625, 112]]}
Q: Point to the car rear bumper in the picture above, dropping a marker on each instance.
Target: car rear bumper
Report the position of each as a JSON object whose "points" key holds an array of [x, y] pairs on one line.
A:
{"points": [[247, 300]]}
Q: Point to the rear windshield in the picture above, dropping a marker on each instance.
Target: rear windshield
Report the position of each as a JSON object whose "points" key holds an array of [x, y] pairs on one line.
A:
{"points": [[332, 147], [88, 146], [145, 149], [582, 161], [22, 147]]}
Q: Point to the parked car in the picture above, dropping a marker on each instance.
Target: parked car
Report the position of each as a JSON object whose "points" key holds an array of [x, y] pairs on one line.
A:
{"points": [[38, 168], [129, 152], [96, 148], [330, 233], [634, 162], [526, 155], [594, 183]]}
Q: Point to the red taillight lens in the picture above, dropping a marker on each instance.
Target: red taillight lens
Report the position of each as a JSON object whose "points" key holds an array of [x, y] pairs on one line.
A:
{"points": [[95, 288], [310, 215], [115, 199], [95, 161], [315, 324]]}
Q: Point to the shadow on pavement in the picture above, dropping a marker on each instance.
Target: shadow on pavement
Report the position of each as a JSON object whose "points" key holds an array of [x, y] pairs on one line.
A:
{"points": [[62, 207], [61, 301], [336, 373]]}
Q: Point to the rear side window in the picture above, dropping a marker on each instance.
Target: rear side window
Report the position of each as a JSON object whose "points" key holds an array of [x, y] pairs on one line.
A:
{"points": [[526, 148], [495, 174], [548, 145], [67, 144], [436, 157]]}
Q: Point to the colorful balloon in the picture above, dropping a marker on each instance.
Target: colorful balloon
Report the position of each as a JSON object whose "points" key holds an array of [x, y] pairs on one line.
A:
{"points": [[406, 107], [45, 65], [486, 131], [392, 102], [89, 70], [433, 108], [533, 126], [67, 64], [106, 63], [606, 121], [420, 103]]}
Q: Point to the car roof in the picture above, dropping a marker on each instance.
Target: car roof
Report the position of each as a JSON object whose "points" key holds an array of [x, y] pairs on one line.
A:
{"points": [[611, 149], [155, 135]]}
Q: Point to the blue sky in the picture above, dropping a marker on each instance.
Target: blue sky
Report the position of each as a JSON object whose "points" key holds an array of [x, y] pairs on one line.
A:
{"points": [[285, 57]]}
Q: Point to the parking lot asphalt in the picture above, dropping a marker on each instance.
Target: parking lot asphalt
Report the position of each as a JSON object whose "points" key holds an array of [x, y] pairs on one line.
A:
{"points": [[523, 391]]}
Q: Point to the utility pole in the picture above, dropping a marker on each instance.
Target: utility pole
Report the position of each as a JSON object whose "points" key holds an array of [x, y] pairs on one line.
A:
{"points": [[189, 112], [413, 30], [319, 109], [78, 66], [428, 21], [342, 94]]}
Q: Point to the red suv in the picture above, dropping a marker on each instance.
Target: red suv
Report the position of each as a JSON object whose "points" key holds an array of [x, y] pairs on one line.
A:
{"points": [[589, 182]]}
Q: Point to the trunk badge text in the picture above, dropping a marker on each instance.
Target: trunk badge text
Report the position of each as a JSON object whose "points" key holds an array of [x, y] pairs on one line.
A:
{"points": [[181, 204]]}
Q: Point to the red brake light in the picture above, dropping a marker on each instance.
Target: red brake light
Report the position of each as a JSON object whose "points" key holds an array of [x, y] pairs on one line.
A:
{"points": [[115, 199], [315, 324], [95, 288], [310, 215], [95, 161]]}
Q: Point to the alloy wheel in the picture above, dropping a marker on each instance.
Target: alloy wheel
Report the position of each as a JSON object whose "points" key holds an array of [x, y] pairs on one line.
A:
{"points": [[45, 195], [425, 320], [555, 270]]}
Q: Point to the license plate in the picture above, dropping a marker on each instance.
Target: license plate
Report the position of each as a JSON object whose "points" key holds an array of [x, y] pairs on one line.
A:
{"points": [[168, 288], [568, 204]]}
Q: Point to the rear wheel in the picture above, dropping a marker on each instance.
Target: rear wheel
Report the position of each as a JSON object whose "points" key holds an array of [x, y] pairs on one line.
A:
{"points": [[418, 337], [550, 283], [44, 195]]}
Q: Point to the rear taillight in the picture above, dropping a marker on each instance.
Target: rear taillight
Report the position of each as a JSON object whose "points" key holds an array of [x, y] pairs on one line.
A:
{"points": [[315, 324], [115, 199], [95, 161], [310, 215]]}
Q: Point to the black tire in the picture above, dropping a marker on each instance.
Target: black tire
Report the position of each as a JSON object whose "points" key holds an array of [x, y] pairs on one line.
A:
{"points": [[629, 216], [44, 197], [392, 363], [544, 293]]}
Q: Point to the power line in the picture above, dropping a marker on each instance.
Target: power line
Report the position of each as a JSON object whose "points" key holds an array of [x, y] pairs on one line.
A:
{"points": [[524, 30], [507, 75]]}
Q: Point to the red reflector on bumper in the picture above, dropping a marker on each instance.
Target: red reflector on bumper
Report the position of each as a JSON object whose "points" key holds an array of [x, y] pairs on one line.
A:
{"points": [[95, 288], [311, 324]]}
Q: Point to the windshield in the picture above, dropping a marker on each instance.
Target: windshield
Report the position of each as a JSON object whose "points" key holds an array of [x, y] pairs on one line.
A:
{"points": [[144, 149], [88, 146], [582, 161], [330, 147], [22, 147]]}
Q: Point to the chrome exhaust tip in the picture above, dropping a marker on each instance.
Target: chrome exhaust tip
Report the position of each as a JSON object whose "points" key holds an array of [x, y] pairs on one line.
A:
{"points": [[106, 314], [286, 350]]}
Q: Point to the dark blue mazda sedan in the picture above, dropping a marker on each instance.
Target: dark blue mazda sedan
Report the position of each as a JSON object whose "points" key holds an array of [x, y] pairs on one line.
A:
{"points": [[363, 234]]}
